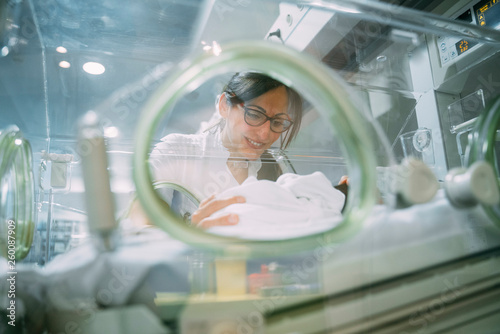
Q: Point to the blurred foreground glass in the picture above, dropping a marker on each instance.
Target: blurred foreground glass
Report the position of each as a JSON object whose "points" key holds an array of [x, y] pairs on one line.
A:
{"points": [[418, 144], [317, 84], [17, 221]]}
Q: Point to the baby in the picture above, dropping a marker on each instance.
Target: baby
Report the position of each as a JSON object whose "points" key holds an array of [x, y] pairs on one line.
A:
{"points": [[292, 206]]}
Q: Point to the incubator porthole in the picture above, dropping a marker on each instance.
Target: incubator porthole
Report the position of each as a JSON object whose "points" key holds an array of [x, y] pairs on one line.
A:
{"points": [[422, 140], [16, 193], [484, 147], [315, 83]]}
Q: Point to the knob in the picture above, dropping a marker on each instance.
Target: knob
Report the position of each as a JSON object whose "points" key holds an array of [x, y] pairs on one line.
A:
{"points": [[476, 184], [416, 182], [98, 196]]}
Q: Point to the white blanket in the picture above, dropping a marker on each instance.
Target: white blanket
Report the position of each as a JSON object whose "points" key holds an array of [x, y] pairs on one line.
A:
{"points": [[294, 205]]}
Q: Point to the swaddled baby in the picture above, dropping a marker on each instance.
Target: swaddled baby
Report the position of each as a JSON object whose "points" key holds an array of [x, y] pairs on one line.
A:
{"points": [[294, 205]]}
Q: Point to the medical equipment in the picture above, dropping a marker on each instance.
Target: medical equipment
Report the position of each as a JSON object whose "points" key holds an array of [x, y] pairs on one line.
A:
{"points": [[16, 206], [288, 65], [99, 200], [402, 100]]}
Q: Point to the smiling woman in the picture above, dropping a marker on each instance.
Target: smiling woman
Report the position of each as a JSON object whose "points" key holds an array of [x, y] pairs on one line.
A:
{"points": [[263, 98], [255, 112]]}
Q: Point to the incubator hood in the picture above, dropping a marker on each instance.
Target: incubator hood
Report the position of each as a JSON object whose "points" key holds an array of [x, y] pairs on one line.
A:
{"points": [[401, 97]]}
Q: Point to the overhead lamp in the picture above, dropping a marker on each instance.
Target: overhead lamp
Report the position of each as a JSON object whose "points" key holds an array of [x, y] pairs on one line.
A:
{"points": [[111, 132], [61, 49], [64, 64], [94, 68]]}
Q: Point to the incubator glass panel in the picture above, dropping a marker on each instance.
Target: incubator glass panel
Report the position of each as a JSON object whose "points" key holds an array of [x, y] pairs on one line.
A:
{"points": [[410, 77], [346, 195], [401, 73]]}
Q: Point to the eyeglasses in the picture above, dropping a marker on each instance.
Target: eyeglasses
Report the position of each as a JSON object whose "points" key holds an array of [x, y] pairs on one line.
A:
{"points": [[253, 117]]}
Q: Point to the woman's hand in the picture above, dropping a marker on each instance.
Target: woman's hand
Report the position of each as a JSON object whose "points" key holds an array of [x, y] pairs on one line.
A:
{"points": [[200, 217]]}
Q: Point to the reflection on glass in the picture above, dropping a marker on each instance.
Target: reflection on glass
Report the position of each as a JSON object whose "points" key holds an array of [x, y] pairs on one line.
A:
{"points": [[418, 144]]}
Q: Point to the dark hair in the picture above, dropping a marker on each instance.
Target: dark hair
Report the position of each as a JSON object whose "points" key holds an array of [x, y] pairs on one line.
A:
{"points": [[245, 86]]}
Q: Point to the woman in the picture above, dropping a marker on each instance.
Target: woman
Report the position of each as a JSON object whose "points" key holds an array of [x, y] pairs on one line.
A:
{"points": [[256, 111]]}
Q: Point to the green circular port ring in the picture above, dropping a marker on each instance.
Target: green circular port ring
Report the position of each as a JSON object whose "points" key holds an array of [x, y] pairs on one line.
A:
{"points": [[195, 202], [16, 164], [482, 147], [177, 187], [316, 83]]}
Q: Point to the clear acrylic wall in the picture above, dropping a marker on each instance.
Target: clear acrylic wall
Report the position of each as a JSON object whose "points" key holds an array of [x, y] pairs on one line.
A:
{"points": [[408, 72]]}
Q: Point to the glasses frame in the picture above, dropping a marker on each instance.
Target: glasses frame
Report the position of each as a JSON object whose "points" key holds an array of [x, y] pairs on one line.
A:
{"points": [[270, 119]]}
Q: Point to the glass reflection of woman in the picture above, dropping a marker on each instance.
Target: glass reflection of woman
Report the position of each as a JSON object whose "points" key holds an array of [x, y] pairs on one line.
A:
{"points": [[256, 110]]}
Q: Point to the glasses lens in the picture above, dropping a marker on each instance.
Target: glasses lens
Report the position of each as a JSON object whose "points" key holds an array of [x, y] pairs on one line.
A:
{"points": [[280, 125], [254, 117], [257, 118]]}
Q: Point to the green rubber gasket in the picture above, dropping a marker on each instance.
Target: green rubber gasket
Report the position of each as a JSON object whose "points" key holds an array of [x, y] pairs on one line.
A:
{"points": [[16, 163], [179, 188], [482, 147], [315, 82]]}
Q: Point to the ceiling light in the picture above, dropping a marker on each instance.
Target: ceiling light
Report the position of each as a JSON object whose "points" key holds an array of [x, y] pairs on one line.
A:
{"points": [[111, 132], [216, 48], [94, 68], [61, 49], [64, 64]]}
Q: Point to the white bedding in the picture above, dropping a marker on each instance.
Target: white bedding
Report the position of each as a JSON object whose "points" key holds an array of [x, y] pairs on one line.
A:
{"points": [[292, 206]]}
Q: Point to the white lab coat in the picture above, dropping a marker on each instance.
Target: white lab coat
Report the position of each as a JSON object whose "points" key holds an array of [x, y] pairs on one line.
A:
{"points": [[197, 162], [294, 205]]}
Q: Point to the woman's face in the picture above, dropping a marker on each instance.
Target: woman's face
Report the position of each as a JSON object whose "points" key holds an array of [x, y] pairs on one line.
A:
{"points": [[247, 141]]}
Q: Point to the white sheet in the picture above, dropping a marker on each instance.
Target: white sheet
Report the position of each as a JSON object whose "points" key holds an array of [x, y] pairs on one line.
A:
{"points": [[294, 205]]}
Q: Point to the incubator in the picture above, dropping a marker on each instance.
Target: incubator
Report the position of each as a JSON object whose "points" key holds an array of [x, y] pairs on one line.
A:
{"points": [[111, 106]]}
